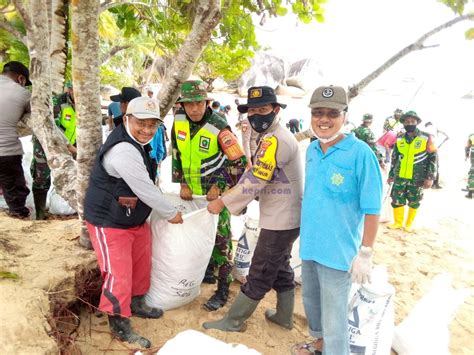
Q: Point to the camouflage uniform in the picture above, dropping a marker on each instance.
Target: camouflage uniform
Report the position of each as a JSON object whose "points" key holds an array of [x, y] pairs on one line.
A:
{"points": [[414, 160], [224, 178], [366, 135], [40, 171], [411, 190], [470, 177]]}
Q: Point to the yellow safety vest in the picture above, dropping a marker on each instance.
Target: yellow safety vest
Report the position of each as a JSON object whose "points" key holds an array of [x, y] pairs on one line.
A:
{"points": [[200, 156], [67, 120], [412, 153]]}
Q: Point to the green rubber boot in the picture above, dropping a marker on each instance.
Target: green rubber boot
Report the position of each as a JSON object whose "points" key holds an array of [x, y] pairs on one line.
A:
{"points": [[283, 315], [241, 310]]}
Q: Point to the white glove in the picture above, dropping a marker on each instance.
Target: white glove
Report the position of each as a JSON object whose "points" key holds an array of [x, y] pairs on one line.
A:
{"points": [[361, 267]]}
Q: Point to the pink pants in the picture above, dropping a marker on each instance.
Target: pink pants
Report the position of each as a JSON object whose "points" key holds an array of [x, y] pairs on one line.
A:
{"points": [[124, 257]]}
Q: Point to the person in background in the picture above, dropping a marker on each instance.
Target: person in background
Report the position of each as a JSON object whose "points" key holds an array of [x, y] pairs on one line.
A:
{"points": [[392, 123], [343, 183], [207, 160], [413, 169], [293, 125], [365, 134], [436, 134], [385, 144], [119, 199], [470, 177], [67, 114], [15, 102], [276, 178], [126, 95], [149, 92], [113, 111]]}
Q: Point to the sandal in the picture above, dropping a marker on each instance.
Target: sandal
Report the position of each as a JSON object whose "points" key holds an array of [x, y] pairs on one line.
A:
{"points": [[308, 347]]}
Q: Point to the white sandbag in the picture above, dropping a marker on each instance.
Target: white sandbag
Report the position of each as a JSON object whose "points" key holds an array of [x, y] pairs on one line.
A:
{"points": [[371, 316], [425, 330], [295, 262], [247, 243], [194, 342], [58, 205], [245, 249], [180, 253]]}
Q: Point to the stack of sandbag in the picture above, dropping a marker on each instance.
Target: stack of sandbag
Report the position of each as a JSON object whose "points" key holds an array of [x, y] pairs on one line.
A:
{"points": [[425, 329], [194, 342], [371, 315], [180, 253]]}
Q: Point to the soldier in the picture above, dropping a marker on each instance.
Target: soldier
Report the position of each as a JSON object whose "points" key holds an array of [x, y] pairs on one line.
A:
{"points": [[393, 123], [413, 169], [203, 148], [276, 178], [470, 177], [365, 134]]}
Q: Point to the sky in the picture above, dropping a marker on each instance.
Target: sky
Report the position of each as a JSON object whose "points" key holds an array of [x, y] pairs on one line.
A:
{"points": [[358, 36]]}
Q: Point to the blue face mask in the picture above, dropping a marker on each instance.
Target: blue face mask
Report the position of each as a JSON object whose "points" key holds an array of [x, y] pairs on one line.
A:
{"points": [[260, 123]]}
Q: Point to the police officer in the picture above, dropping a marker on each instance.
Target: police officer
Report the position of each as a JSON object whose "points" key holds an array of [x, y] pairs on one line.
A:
{"points": [[470, 177], [276, 178], [413, 169], [207, 159], [67, 114], [365, 134]]}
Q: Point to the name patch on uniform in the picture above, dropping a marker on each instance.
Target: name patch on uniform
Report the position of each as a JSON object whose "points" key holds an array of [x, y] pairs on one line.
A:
{"points": [[266, 159], [181, 135], [204, 143]]}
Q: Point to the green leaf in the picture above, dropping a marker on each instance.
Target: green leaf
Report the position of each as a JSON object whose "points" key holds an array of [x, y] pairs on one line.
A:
{"points": [[8, 275], [469, 34]]}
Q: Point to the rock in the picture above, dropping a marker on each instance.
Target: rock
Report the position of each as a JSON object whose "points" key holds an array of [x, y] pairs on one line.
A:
{"points": [[289, 91]]}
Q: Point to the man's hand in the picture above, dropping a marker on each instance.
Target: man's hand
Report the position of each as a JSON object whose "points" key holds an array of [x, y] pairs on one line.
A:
{"points": [[178, 219], [72, 149], [427, 184], [361, 267], [390, 181], [216, 206], [185, 193], [213, 193]]}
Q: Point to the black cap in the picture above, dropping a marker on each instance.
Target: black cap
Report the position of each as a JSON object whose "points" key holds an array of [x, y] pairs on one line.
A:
{"points": [[259, 96], [19, 68], [127, 95]]}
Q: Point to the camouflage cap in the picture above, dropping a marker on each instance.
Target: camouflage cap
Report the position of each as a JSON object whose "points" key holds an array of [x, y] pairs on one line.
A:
{"points": [[410, 114], [398, 112], [368, 117], [192, 91]]}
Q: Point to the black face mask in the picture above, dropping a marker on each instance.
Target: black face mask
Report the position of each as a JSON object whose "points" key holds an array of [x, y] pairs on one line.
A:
{"points": [[260, 123], [410, 128]]}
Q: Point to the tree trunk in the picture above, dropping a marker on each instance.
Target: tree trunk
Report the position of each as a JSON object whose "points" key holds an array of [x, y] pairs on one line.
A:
{"points": [[207, 17], [86, 78], [58, 45], [41, 121], [354, 90]]}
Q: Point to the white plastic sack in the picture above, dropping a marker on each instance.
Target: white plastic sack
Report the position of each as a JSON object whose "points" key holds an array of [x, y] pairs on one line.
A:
{"points": [[194, 342], [371, 316], [180, 253], [58, 205], [245, 249], [425, 330]]}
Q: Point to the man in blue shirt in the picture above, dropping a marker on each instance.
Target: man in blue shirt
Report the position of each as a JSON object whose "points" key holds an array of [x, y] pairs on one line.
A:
{"points": [[339, 221]]}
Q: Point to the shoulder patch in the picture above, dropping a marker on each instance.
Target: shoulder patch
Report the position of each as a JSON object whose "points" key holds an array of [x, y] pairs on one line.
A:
{"points": [[265, 163], [230, 145]]}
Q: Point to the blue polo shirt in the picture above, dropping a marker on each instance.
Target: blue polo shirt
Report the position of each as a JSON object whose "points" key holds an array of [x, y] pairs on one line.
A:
{"points": [[341, 187]]}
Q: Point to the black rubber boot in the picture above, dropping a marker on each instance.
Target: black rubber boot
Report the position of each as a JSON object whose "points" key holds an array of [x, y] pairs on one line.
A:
{"points": [[239, 312], [469, 194], [219, 298], [39, 197], [121, 328], [283, 315], [141, 309], [209, 277]]}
